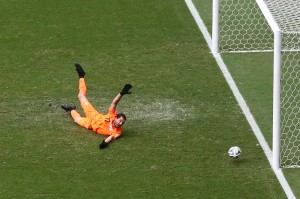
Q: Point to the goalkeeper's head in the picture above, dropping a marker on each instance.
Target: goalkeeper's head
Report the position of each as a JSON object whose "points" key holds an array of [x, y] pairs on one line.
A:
{"points": [[120, 120]]}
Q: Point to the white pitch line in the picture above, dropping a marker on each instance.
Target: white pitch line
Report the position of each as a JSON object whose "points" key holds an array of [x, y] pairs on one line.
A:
{"points": [[242, 103]]}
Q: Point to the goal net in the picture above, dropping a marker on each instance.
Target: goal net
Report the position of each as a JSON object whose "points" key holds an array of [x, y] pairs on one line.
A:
{"points": [[242, 27], [253, 26]]}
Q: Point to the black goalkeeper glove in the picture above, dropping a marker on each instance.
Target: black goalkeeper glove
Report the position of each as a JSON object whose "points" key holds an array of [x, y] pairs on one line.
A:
{"points": [[103, 145], [126, 89]]}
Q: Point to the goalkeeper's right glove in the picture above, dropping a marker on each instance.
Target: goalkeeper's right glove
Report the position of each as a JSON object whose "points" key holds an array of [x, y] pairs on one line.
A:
{"points": [[126, 89]]}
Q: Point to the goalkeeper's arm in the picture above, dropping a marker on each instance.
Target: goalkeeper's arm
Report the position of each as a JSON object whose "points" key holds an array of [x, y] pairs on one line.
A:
{"points": [[116, 100], [105, 142]]}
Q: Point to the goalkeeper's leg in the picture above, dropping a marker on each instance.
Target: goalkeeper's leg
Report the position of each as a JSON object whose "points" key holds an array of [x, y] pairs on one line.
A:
{"points": [[81, 74], [81, 121], [82, 87]]}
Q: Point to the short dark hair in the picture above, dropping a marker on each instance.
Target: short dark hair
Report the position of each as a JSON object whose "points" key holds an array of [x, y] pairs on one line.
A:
{"points": [[121, 115]]}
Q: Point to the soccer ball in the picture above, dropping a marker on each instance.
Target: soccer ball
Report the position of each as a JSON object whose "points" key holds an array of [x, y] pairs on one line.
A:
{"points": [[235, 152]]}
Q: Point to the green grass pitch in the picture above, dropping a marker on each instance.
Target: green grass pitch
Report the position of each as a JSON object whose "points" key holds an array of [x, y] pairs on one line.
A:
{"points": [[182, 116]]}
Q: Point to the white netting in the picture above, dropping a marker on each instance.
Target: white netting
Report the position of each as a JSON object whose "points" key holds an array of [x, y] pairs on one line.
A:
{"points": [[286, 14], [290, 101], [243, 28]]}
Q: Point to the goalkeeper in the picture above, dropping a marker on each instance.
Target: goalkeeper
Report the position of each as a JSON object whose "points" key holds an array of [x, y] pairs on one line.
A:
{"points": [[107, 125]]}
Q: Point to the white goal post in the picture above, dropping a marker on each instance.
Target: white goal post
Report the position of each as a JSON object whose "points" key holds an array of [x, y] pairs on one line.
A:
{"points": [[268, 26]]}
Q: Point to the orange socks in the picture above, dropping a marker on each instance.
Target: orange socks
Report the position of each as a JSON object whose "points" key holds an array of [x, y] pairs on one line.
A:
{"points": [[82, 86], [75, 114]]}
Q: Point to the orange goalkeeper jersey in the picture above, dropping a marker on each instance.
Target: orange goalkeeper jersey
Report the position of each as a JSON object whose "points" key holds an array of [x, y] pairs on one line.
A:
{"points": [[103, 124]]}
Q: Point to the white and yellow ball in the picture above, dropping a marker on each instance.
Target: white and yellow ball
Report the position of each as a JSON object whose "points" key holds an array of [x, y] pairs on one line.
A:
{"points": [[235, 152]]}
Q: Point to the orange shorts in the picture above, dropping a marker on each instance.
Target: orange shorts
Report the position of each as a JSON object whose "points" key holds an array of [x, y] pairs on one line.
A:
{"points": [[90, 113]]}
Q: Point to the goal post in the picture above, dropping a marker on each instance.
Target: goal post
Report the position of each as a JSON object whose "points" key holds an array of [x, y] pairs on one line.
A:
{"points": [[276, 99], [276, 81], [215, 27], [268, 26]]}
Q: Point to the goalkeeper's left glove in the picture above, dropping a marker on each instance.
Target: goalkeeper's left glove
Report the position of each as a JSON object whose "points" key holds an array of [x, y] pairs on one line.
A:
{"points": [[126, 89], [103, 145]]}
